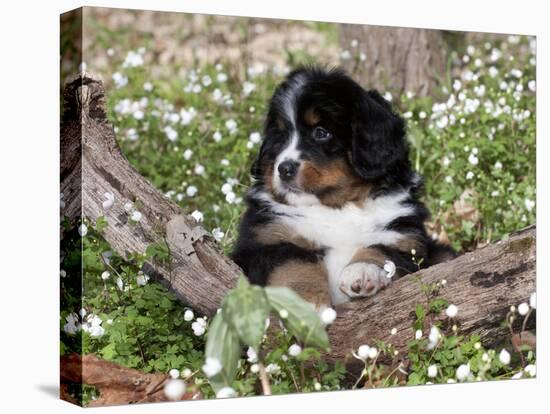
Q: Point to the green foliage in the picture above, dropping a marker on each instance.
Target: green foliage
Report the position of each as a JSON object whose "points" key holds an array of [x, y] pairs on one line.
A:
{"points": [[298, 316], [246, 309], [243, 319]]}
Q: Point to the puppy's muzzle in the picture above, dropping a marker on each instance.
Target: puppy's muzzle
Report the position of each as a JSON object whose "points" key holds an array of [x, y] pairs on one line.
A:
{"points": [[288, 169]]}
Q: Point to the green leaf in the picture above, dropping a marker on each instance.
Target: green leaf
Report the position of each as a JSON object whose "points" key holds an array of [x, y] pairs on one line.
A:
{"points": [[223, 344], [246, 309], [302, 321]]}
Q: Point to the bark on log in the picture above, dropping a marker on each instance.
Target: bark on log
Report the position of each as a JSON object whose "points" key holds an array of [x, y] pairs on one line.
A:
{"points": [[395, 59], [483, 284]]}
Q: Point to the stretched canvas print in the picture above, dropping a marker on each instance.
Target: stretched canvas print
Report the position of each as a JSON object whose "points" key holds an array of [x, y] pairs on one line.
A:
{"points": [[257, 206]]}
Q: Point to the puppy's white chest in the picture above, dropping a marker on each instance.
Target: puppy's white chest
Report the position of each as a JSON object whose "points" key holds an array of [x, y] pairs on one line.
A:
{"points": [[341, 232]]}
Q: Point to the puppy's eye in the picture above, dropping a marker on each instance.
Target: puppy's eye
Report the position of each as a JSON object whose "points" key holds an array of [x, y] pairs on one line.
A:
{"points": [[321, 134]]}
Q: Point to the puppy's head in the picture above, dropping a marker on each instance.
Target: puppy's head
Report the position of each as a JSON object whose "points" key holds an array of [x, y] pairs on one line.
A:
{"points": [[327, 140]]}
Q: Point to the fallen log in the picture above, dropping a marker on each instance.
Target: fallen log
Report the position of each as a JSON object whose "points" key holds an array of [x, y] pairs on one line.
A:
{"points": [[483, 284]]}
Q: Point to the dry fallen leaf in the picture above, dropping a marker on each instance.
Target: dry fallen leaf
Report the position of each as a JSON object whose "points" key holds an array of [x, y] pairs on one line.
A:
{"points": [[116, 384]]}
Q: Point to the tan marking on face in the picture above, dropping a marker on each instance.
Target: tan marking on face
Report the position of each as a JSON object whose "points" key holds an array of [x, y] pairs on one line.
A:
{"points": [[335, 184], [276, 233], [309, 280], [311, 117]]}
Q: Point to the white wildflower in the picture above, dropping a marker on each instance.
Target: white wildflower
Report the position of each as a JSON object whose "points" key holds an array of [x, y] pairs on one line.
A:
{"points": [[254, 368], [255, 137], [252, 355], [221, 77], [148, 86], [136, 216], [294, 350], [531, 370], [142, 279], [226, 392], [248, 88], [469, 175], [529, 204], [218, 234], [432, 371], [532, 85], [174, 373], [191, 191], [504, 357], [188, 315], [273, 369], [217, 136], [105, 275], [328, 315], [120, 284], [230, 197], [451, 311], [199, 326], [433, 337], [187, 154], [418, 334], [457, 85], [83, 230], [212, 367], [170, 133], [317, 386], [109, 200], [231, 125], [199, 169], [393, 331], [523, 308], [198, 216], [390, 268], [174, 389], [363, 352], [463, 372], [119, 80]]}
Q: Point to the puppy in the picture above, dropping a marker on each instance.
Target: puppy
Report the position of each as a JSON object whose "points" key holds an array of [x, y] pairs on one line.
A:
{"points": [[334, 211]]}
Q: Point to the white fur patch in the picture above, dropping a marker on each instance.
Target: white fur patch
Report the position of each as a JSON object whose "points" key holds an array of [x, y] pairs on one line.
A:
{"points": [[288, 102], [342, 231]]}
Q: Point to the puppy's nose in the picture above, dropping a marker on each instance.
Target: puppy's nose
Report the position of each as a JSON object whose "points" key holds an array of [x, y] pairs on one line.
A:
{"points": [[288, 169]]}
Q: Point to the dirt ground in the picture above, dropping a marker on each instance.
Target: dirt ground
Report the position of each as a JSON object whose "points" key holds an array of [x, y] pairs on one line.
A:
{"points": [[176, 42]]}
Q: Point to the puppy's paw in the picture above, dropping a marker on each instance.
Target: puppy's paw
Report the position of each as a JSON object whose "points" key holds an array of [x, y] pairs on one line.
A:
{"points": [[363, 279]]}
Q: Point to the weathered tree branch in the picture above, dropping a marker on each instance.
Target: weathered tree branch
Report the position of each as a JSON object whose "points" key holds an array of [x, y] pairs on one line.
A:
{"points": [[483, 284]]}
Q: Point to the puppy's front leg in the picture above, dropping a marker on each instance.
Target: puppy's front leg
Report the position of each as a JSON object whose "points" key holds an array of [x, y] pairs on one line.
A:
{"points": [[308, 279], [365, 274]]}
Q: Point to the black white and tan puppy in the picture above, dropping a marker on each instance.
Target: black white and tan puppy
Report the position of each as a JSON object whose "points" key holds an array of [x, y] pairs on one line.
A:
{"points": [[335, 198]]}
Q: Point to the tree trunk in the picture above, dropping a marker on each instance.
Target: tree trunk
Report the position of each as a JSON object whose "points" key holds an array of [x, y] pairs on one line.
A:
{"points": [[394, 59], [483, 284]]}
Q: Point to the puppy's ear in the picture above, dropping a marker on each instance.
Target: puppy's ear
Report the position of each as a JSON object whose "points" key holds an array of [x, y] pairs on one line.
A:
{"points": [[378, 142]]}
